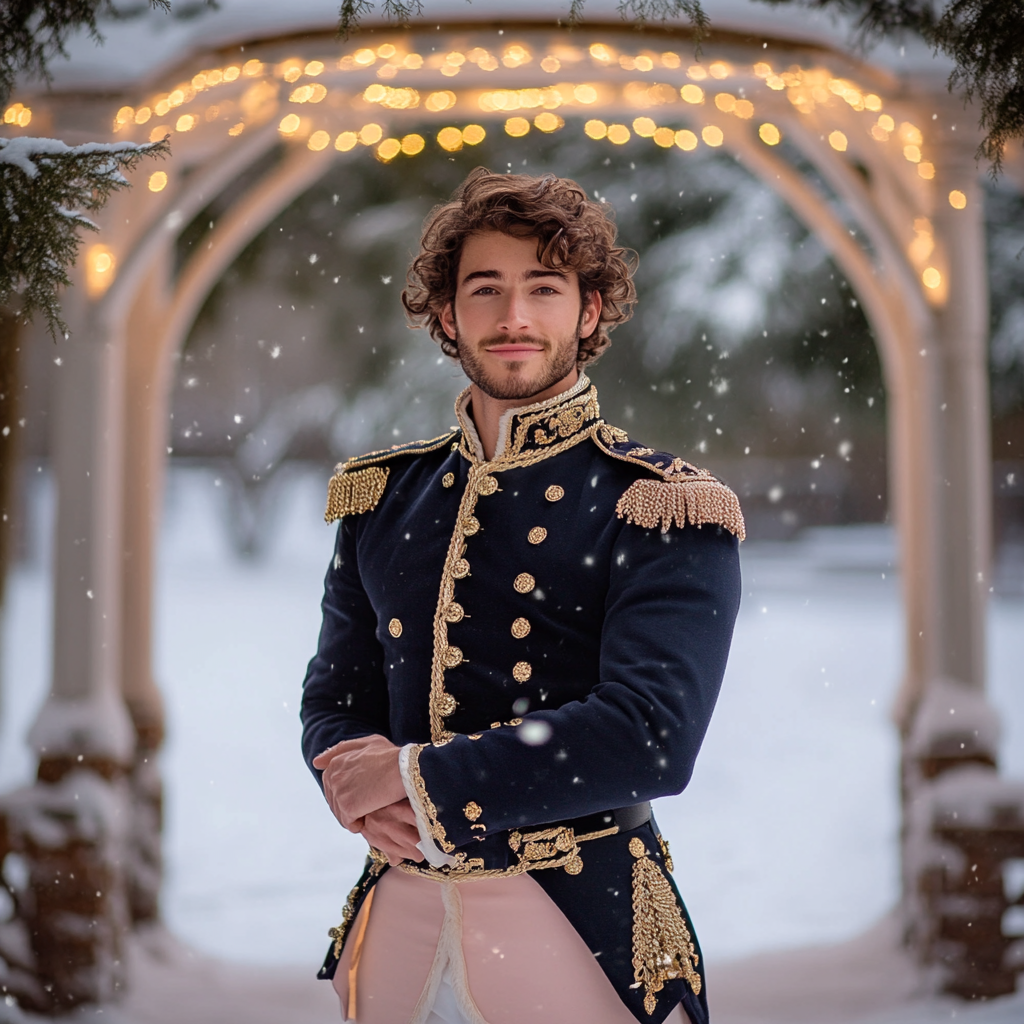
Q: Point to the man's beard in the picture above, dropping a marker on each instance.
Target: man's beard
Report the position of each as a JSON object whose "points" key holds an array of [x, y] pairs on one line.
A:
{"points": [[514, 386]]}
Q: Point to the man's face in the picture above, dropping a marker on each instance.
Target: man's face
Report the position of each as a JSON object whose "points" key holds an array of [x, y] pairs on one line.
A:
{"points": [[517, 323]]}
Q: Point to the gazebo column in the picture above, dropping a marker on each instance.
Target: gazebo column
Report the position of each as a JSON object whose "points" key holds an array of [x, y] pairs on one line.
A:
{"points": [[963, 821], [966, 484], [146, 401], [70, 825]]}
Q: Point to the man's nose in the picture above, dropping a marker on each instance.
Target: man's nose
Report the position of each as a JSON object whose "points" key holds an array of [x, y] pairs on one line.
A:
{"points": [[514, 316]]}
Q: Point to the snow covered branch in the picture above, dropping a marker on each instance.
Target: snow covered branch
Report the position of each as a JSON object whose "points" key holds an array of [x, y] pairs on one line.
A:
{"points": [[46, 190]]}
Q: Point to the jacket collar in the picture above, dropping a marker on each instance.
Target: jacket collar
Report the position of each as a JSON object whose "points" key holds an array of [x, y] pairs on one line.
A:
{"points": [[536, 431]]}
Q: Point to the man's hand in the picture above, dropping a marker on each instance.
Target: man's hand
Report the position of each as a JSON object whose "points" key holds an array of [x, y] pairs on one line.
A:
{"points": [[392, 830], [360, 776]]}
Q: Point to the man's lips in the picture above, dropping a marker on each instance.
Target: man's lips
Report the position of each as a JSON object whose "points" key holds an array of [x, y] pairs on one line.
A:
{"points": [[513, 350]]}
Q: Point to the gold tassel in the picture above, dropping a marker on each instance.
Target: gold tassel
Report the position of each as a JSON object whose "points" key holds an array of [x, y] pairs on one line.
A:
{"points": [[355, 491], [697, 500], [662, 945]]}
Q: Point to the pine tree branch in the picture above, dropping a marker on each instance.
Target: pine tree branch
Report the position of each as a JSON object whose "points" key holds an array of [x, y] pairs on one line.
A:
{"points": [[984, 38], [643, 11], [575, 18], [46, 190], [352, 11], [34, 32]]}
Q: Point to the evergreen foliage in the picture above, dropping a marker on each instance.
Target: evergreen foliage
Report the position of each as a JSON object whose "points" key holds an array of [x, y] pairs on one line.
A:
{"points": [[33, 32], [46, 188], [984, 38]]}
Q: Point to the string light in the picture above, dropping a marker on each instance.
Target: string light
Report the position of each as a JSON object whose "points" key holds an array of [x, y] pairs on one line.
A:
{"points": [[807, 89]]}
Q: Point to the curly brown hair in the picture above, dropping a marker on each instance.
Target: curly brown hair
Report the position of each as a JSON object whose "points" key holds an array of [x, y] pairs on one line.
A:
{"points": [[573, 233]]}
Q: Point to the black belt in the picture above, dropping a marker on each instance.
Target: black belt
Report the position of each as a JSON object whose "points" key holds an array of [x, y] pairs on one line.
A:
{"points": [[626, 818]]}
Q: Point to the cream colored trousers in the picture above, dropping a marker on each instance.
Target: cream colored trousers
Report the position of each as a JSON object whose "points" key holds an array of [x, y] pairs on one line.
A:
{"points": [[488, 951]]}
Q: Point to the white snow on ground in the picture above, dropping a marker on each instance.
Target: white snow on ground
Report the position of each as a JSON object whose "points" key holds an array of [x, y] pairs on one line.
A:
{"points": [[786, 837]]}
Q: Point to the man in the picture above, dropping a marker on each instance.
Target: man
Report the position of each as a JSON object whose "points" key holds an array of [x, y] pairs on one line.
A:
{"points": [[526, 624]]}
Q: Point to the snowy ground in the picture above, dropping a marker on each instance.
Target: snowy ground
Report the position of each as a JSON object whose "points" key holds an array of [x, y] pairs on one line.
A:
{"points": [[785, 838]]}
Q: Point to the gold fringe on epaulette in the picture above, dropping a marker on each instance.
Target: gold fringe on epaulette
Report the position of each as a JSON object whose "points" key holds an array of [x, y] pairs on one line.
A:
{"points": [[356, 491], [697, 500], [662, 945]]}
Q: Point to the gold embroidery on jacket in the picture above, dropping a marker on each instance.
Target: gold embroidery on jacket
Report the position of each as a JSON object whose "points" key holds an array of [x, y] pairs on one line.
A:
{"points": [[665, 852], [353, 491], [662, 945], [557, 847]]}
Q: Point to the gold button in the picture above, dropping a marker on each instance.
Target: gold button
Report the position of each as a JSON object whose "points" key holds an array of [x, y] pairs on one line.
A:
{"points": [[524, 583], [515, 721], [536, 535], [470, 525], [460, 569], [447, 704], [522, 671], [554, 493], [452, 657], [395, 628], [448, 480], [486, 485], [454, 612], [455, 447], [520, 628], [472, 810]]}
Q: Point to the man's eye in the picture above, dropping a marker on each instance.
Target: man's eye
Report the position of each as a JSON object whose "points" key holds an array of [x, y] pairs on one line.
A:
{"points": [[546, 290], [486, 290]]}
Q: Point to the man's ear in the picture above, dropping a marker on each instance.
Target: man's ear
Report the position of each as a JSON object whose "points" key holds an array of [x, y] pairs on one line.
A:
{"points": [[447, 318], [590, 314]]}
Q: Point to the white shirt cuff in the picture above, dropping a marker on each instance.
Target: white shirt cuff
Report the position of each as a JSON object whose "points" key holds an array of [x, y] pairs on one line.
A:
{"points": [[434, 855]]}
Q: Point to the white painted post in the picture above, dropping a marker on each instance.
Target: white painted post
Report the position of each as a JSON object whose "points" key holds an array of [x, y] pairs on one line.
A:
{"points": [[70, 826]]}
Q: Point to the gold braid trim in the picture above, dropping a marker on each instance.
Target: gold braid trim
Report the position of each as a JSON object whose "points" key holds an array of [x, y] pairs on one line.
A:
{"points": [[662, 945], [533, 853], [355, 491], [434, 827], [666, 852], [697, 500], [348, 913]]}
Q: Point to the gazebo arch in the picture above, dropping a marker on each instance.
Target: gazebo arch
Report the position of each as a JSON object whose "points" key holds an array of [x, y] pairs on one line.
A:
{"points": [[869, 166]]}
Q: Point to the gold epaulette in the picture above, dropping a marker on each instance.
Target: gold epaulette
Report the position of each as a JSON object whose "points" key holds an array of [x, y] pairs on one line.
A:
{"points": [[682, 494], [357, 485], [698, 500], [353, 491]]}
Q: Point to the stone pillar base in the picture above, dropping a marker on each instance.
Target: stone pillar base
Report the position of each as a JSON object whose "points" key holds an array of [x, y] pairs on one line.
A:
{"points": [[963, 824], [63, 847]]}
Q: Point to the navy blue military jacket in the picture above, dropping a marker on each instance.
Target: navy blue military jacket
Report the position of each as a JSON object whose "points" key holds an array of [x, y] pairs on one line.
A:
{"points": [[550, 628]]}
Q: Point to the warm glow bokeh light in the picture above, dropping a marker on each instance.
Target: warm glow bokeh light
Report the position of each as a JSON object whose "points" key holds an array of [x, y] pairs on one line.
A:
{"points": [[100, 268]]}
